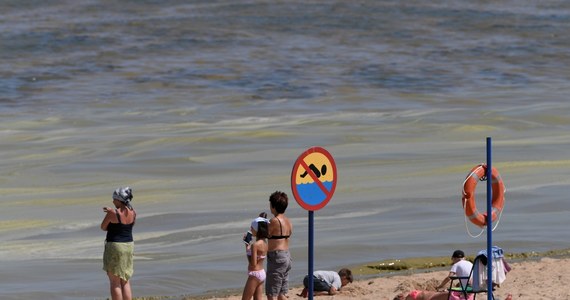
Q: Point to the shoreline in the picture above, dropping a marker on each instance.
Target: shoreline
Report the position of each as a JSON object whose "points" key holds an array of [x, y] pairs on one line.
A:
{"points": [[403, 275]]}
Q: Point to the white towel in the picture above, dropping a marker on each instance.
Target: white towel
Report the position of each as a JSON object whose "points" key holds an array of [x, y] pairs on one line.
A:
{"points": [[480, 274]]}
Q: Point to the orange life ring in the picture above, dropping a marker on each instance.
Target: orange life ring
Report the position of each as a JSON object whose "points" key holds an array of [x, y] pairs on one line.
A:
{"points": [[498, 198]]}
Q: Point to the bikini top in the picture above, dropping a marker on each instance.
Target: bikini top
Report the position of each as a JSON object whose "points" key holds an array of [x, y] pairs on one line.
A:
{"points": [[259, 257], [279, 237]]}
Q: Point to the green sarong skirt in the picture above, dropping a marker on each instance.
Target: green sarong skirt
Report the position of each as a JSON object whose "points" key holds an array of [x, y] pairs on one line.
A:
{"points": [[118, 259]]}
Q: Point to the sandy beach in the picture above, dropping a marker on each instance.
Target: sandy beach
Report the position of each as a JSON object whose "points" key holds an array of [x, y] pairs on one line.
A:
{"points": [[545, 278]]}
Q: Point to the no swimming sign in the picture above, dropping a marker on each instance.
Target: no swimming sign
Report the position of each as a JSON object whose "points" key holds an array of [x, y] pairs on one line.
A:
{"points": [[313, 179]]}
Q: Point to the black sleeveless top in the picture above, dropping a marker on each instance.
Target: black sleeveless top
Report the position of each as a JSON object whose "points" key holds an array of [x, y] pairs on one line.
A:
{"points": [[119, 232]]}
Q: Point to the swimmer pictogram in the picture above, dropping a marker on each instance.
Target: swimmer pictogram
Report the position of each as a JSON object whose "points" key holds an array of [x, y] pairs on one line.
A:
{"points": [[317, 172]]}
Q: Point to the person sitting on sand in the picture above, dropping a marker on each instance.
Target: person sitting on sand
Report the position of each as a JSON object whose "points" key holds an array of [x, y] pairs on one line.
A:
{"points": [[327, 282], [431, 295]]}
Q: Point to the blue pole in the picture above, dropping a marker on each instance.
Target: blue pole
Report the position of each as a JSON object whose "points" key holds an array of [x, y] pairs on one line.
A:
{"points": [[489, 222], [311, 236]]}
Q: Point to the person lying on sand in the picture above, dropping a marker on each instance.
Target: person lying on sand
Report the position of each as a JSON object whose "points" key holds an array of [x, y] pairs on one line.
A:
{"points": [[430, 295]]}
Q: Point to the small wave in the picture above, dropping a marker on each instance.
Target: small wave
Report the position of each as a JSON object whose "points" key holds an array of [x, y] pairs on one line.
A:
{"points": [[534, 164], [51, 249], [75, 226], [474, 128], [20, 224], [349, 215]]}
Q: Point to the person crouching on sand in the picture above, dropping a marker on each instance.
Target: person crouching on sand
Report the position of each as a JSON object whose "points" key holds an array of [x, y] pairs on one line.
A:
{"points": [[327, 282], [119, 246], [256, 253]]}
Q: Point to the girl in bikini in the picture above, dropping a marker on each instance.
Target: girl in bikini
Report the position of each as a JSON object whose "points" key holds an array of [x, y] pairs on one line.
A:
{"points": [[256, 253]]}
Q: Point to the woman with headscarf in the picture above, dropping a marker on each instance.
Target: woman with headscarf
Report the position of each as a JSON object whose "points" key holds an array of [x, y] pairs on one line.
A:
{"points": [[119, 246]]}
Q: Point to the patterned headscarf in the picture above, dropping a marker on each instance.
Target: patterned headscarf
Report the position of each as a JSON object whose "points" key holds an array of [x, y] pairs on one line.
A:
{"points": [[125, 195]]}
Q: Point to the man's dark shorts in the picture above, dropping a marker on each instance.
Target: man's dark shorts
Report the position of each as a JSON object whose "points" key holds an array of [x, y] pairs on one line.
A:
{"points": [[319, 285]]}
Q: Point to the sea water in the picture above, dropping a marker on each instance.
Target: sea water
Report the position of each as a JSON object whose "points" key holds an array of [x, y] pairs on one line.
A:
{"points": [[203, 107]]}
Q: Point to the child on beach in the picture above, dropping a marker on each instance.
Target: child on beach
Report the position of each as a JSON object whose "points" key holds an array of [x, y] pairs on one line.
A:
{"points": [[256, 252]]}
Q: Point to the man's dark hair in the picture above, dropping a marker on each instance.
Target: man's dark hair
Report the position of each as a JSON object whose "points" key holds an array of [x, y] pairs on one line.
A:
{"points": [[458, 254]]}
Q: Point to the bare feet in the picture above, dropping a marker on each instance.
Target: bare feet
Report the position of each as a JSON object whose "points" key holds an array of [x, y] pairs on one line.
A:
{"points": [[304, 293], [509, 297]]}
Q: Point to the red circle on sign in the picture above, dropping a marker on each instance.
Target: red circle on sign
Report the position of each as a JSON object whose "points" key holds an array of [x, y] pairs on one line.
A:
{"points": [[323, 190]]}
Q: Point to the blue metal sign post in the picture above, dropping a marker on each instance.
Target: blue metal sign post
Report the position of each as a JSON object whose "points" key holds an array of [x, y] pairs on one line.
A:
{"points": [[311, 251], [489, 222]]}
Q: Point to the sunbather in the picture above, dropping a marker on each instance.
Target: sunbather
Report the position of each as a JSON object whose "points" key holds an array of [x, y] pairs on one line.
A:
{"points": [[431, 295]]}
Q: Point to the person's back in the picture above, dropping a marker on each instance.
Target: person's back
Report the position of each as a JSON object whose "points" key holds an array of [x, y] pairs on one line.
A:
{"points": [[119, 245], [120, 226], [330, 277], [278, 256], [280, 229], [327, 282], [462, 268]]}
